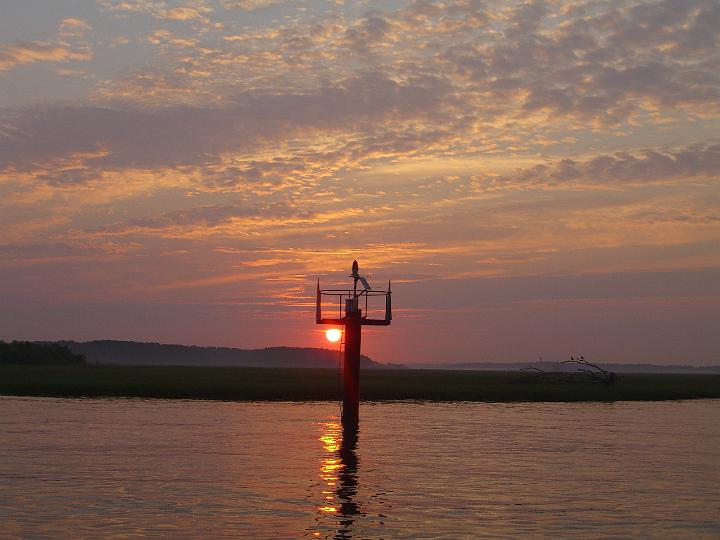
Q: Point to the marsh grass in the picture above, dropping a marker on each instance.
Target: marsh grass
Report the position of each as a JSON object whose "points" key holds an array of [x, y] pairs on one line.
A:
{"points": [[289, 384]]}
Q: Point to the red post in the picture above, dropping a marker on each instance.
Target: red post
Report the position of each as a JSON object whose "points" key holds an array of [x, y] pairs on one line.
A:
{"points": [[351, 369], [353, 321]]}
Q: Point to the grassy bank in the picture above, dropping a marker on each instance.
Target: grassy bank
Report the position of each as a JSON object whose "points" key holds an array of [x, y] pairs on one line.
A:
{"points": [[245, 384]]}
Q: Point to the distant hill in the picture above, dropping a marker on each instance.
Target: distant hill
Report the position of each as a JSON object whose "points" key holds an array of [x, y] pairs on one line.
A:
{"points": [[555, 366], [136, 353]]}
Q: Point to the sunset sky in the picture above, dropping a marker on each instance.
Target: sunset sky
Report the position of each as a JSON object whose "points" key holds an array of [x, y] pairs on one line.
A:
{"points": [[536, 177]]}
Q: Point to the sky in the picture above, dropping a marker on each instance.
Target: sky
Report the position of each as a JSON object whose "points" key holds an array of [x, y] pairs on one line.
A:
{"points": [[537, 178]]}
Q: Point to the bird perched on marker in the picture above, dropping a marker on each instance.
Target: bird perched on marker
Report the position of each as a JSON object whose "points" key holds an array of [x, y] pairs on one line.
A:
{"points": [[357, 277]]}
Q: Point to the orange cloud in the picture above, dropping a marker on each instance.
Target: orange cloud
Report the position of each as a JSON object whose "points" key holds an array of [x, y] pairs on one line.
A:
{"points": [[27, 52]]}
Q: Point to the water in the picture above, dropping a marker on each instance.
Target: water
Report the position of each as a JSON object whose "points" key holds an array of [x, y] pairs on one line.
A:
{"points": [[197, 469]]}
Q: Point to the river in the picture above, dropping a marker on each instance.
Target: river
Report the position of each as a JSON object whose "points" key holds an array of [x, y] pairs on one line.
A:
{"points": [[132, 468]]}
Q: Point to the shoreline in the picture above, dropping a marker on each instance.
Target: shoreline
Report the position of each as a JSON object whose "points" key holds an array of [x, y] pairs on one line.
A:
{"points": [[304, 384]]}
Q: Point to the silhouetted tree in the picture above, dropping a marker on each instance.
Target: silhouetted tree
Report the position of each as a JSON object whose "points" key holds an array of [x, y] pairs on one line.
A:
{"points": [[26, 353]]}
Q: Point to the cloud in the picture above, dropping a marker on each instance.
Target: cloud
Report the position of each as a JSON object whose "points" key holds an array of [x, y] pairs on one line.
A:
{"points": [[160, 9], [72, 27], [700, 161], [578, 66], [187, 135], [208, 217], [28, 52], [39, 252], [250, 5], [523, 65], [654, 217], [367, 33], [183, 13], [270, 115]]}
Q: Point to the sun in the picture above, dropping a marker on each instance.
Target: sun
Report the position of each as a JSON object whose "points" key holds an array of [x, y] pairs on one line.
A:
{"points": [[333, 334]]}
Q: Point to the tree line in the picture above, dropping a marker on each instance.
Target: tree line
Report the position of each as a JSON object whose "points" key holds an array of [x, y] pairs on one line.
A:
{"points": [[26, 353]]}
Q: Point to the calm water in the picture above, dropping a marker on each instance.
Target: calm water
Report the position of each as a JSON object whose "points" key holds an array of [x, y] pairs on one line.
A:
{"points": [[192, 469]]}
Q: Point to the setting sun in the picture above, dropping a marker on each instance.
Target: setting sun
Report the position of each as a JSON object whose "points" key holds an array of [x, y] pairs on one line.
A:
{"points": [[333, 334]]}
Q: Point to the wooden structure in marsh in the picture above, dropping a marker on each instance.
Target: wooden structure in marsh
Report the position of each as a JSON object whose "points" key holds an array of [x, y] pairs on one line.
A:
{"points": [[352, 320]]}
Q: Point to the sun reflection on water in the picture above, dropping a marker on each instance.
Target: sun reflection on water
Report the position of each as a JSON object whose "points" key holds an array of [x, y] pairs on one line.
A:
{"points": [[331, 463], [338, 480]]}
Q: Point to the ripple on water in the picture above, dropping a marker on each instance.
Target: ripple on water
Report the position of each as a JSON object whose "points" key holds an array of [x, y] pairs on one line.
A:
{"points": [[131, 467]]}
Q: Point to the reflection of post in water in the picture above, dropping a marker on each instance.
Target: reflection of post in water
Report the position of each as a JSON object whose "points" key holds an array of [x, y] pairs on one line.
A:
{"points": [[339, 474], [348, 479]]}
